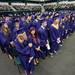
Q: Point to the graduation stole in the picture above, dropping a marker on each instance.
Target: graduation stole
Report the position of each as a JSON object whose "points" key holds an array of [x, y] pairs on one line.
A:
{"points": [[36, 40], [55, 26]]}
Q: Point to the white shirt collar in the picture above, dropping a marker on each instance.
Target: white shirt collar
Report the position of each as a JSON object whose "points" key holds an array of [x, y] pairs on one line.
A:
{"points": [[42, 27]]}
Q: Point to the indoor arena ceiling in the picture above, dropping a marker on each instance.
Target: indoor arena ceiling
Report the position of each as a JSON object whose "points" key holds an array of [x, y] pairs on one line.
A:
{"points": [[33, 0]]}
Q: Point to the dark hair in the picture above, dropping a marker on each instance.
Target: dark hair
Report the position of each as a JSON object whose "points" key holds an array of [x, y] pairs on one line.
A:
{"points": [[36, 32]]}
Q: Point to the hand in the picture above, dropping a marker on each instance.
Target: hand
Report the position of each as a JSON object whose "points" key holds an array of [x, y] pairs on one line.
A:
{"points": [[38, 49], [29, 61], [58, 40], [48, 46], [30, 45], [11, 42]]}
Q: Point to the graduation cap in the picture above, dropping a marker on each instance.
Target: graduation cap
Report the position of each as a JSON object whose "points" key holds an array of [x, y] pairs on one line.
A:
{"points": [[29, 14], [33, 13], [22, 30], [55, 17], [4, 24], [16, 20], [22, 15], [16, 15], [43, 20], [33, 17], [2, 21], [62, 15]]}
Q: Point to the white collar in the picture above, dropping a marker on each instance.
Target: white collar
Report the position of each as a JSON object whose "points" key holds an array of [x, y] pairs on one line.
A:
{"points": [[36, 20], [42, 27]]}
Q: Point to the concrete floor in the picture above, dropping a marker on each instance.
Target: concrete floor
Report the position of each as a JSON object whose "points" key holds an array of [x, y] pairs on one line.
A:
{"points": [[63, 62]]}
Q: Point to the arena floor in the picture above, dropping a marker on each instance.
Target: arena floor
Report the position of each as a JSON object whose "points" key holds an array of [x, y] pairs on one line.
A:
{"points": [[62, 64]]}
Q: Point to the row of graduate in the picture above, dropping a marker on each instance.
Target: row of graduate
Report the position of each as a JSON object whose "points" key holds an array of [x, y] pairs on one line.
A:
{"points": [[34, 36]]}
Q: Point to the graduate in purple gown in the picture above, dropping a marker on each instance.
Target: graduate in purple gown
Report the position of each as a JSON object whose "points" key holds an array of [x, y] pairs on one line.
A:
{"points": [[74, 22], [44, 43], [23, 22], [36, 42], [29, 22], [5, 39], [71, 22], [25, 50], [36, 23], [9, 21], [65, 27], [55, 36], [17, 27], [61, 31]]}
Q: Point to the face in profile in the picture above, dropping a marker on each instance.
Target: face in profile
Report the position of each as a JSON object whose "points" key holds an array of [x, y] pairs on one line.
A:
{"points": [[44, 23], [17, 25], [7, 18], [56, 22], [29, 18], [33, 31], [5, 28]]}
